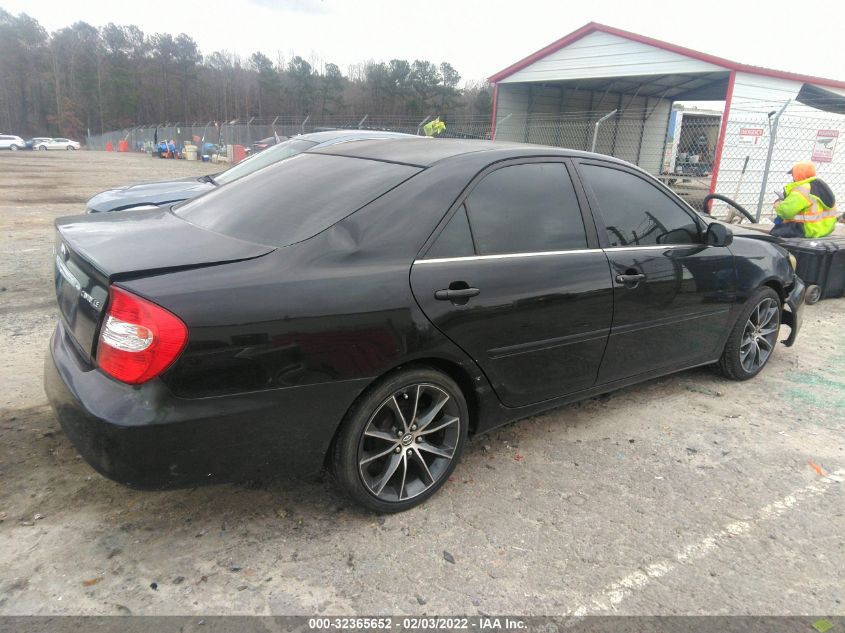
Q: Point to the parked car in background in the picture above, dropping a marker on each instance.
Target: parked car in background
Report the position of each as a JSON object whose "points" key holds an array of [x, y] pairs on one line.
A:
{"points": [[368, 305], [260, 146], [38, 140], [153, 194], [9, 141], [58, 143]]}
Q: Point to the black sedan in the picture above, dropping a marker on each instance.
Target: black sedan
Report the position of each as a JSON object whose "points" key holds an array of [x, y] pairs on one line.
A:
{"points": [[367, 306]]}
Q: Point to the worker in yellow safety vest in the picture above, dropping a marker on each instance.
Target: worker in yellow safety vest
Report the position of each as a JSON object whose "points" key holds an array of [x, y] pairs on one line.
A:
{"points": [[434, 127], [808, 206]]}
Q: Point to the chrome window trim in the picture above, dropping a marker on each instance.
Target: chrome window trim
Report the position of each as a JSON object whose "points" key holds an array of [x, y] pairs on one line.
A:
{"points": [[443, 260], [650, 248], [465, 258]]}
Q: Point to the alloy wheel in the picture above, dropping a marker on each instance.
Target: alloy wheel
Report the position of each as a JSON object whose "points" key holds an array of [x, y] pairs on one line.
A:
{"points": [[409, 442], [759, 335]]}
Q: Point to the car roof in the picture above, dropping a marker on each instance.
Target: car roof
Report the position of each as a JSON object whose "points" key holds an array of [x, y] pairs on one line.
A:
{"points": [[412, 152]]}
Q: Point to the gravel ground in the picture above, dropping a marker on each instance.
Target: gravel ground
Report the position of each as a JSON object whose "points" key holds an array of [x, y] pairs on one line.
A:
{"points": [[684, 495]]}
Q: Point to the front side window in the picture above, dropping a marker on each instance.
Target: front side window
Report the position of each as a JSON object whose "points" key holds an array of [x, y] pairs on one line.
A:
{"points": [[635, 212], [526, 208]]}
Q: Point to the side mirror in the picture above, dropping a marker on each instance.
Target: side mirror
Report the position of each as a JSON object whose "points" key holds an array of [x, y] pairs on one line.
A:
{"points": [[718, 235]]}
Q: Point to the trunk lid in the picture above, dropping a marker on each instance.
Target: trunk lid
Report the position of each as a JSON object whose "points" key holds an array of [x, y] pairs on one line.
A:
{"points": [[92, 251]]}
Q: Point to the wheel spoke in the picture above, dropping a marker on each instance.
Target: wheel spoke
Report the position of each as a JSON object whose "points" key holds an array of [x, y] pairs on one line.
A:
{"points": [[380, 435], [404, 475], [769, 316], [388, 473], [767, 331], [421, 462], [427, 418], [442, 424], [766, 344], [371, 458], [434, 450], [416, 404], [398, 412]]}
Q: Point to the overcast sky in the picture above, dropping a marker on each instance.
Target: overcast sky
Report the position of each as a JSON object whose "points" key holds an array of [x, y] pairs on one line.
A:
{"points": [[478, 38]]}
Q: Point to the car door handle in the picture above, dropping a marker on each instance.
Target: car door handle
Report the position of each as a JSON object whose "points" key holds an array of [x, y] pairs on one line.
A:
{"points": [[630, 279], [460, 293]]}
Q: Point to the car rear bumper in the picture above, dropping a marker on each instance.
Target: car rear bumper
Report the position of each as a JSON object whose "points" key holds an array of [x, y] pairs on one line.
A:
{"points": [[792, 313], [145, 437]]}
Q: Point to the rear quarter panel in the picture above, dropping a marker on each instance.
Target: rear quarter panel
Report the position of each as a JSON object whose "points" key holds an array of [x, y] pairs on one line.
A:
{"points": [[336, 308]]}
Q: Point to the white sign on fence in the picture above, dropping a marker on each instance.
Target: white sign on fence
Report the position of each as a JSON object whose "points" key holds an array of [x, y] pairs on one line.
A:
{"points": [[825, 144], [750, 135]]}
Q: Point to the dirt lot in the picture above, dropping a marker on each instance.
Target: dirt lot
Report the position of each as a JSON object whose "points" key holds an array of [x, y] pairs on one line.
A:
{"points": [[688, 494]]}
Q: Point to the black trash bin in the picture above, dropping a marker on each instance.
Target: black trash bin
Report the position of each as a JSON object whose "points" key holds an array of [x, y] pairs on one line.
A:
{"points": [[821, 265]]}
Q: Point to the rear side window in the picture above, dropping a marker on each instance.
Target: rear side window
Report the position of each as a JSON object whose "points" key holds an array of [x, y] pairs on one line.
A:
{"points": [[526, 208], [294, 199], [455, 240], [635, 212]]}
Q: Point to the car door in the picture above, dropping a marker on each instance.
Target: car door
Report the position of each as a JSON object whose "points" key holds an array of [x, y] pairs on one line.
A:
{"points": [[672, 292], [515, 278]]}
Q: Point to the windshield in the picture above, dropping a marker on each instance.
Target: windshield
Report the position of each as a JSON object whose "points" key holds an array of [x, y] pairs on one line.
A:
{"points": [[271, 155], [294, 199]]}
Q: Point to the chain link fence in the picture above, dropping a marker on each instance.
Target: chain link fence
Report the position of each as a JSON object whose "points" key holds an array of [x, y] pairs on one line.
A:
{"points": [[679, 146], [761, 146]]}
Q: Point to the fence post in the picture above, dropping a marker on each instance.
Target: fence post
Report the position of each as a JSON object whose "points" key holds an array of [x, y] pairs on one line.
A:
{"points": [[249, 132], [596, 129], [773, 137], [421, 123], [303, 124], [361, 122]]}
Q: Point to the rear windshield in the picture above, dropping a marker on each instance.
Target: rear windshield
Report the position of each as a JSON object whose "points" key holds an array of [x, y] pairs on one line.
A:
{"points": [[271, 155], [294, 199]]}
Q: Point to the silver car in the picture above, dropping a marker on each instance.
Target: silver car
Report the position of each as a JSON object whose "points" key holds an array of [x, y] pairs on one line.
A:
{"points": [[156, 194], [57, 143]]}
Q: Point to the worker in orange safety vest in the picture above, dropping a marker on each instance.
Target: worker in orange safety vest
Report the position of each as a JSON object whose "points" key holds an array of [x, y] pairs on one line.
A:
{"points": [[808, 206]]}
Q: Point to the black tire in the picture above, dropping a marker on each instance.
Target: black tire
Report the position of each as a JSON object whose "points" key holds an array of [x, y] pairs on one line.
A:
{"points": [[361, 462], [812, 295], [734, 363], [42, 148], [14, 147]]}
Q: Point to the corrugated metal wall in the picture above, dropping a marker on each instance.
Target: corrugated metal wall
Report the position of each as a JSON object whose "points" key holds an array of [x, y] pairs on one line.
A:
{"points": [[565, 117]]}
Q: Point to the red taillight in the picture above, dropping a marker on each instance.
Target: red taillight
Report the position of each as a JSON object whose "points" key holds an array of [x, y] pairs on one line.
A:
{"points": [[138, 339]]}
